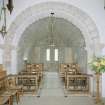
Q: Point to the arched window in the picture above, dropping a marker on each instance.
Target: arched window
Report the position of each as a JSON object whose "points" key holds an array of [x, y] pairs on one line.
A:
{"points": [[48, 54], [56, 55]]}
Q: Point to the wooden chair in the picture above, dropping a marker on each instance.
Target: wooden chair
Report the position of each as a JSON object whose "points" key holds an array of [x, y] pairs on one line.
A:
{"points": [[12, 94], [62, 70], [6, 91], [4, 97], [6, 100], [28, 67], [11, 84]]}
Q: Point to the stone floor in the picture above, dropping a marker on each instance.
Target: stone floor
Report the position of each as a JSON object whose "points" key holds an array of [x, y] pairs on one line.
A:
{"points": [[55, 100], [51, 85], [52, 93]]}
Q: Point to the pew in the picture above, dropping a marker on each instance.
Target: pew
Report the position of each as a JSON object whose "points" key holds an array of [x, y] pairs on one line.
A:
{"points": [[31, 77], [74, 80]]}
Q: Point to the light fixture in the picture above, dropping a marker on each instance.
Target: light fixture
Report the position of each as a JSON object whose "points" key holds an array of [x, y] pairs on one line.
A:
{"points": [[25, 58], [3, 28], [51, 42], [10, 6], [3, 19], [104, 4]]}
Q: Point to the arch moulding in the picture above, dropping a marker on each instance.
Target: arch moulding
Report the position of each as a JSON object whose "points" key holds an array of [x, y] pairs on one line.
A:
{"points": [[62, 10]]}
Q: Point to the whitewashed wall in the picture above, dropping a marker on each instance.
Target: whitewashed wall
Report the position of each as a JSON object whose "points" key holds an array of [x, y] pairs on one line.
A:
{"points": [[1, 56], [94, 8], [34, 55], [68, 55]]}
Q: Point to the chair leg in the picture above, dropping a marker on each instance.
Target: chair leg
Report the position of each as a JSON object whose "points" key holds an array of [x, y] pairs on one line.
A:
{"points": [[10, 100], [17, 97]]}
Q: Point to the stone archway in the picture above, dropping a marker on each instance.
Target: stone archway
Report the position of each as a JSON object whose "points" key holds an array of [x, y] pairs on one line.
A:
{"points": [[62, 10]]}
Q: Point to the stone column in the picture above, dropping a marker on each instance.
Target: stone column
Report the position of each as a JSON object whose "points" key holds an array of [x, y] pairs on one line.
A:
{"points": [[1, 56], [7, 58], [14, 61]]}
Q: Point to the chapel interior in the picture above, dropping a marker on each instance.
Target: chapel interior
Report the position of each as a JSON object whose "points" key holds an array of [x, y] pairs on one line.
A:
{"points": [[45, 51]]}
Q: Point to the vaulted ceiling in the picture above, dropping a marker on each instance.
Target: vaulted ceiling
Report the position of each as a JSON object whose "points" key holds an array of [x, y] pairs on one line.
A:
{"points": [[65, 34]]}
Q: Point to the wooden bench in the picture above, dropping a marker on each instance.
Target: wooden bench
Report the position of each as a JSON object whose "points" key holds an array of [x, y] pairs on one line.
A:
{"points": [[31, 77], [74, 80], [28, 81], [78, 82]]}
